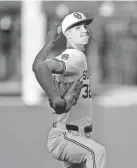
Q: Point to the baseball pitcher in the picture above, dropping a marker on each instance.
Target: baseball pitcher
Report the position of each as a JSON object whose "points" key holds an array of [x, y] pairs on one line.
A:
{"points": [[65, 80]]}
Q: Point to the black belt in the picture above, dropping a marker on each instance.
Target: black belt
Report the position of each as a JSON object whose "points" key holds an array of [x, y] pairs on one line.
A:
{"points": [[69, 127]]}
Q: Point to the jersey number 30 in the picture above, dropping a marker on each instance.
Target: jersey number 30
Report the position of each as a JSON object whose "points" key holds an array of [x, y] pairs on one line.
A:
{"points": [[87, 91]]}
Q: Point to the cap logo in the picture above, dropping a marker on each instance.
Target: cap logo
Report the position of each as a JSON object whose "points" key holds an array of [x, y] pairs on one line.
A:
{"points": [[77, 15]]}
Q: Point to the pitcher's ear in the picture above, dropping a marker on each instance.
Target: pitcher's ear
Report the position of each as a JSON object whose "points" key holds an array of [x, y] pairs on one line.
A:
{"points": [[67, 34]]}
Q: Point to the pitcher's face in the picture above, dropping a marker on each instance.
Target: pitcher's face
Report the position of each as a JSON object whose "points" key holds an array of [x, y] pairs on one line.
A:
{"points": [[79, 34]]}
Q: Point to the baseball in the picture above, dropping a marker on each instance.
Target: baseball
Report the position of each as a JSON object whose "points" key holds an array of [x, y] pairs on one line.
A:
{"points": [[59, 29]]}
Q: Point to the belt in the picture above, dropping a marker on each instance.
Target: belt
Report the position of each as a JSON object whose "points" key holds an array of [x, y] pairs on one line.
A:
{"points": [[69, 127]]}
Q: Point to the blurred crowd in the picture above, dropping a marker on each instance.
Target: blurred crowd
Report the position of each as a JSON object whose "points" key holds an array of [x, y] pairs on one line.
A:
{"points": [[9, 46], [112, 54], [117, 44]]}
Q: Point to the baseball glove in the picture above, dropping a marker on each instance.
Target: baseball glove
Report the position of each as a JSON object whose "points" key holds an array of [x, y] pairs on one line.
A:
{"points": [[69, 92]]}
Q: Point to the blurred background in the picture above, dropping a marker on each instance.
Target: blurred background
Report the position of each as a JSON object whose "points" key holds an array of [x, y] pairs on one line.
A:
{"points": [[112, 53], [25, 113]]}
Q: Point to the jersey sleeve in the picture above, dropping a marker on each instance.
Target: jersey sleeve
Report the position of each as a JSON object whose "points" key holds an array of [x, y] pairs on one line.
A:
{"points": [[69, 62]]}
